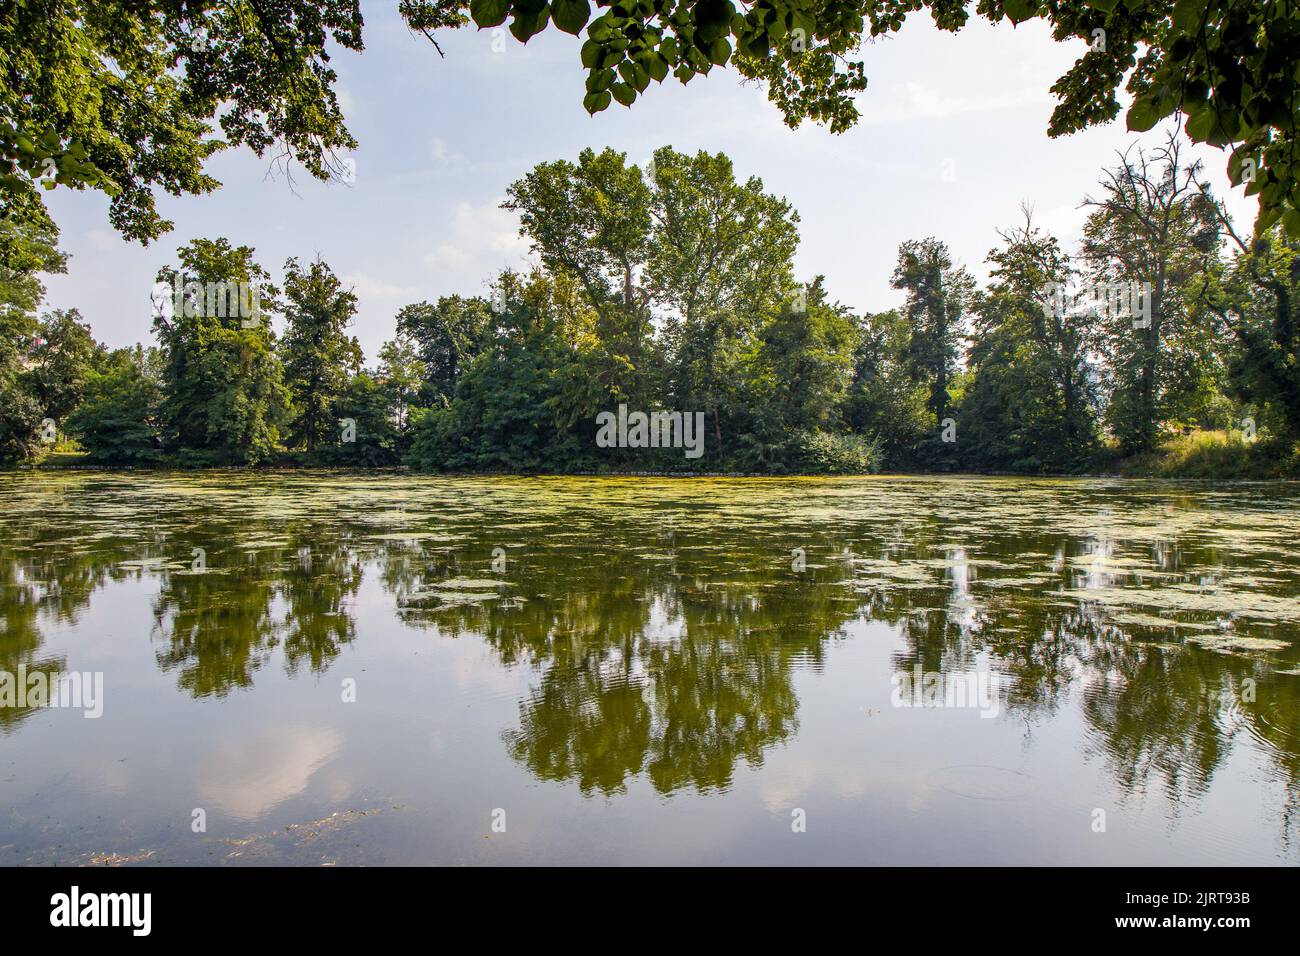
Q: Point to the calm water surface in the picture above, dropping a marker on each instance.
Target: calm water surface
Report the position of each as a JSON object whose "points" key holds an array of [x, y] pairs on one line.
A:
{"points": [[642, 670]]}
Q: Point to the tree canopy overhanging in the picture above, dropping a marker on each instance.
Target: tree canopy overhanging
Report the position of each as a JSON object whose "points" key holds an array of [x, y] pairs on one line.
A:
{"points": [[127, 97]]}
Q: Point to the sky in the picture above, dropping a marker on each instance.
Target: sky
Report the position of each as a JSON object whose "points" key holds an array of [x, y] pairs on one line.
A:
{"points": [[952, 142]]}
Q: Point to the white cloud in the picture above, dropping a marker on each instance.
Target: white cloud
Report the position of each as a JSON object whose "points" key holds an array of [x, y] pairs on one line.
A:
{"points": [[369, 287], [485, 236], [102, 240], [248, 779]]}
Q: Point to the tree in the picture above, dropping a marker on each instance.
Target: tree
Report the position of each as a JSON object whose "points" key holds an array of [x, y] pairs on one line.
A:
{"points": [[807, 349], [401, 373], [1256, 299], [501, 416], [721, 256], [591, 219], [62, 357], [117, 419], [1152, 232], [224, 401], [28, 248], [318, 355], [1032, 401], [446, 338], [123, 97], [376, 439], [938, 294], [884, 399]]}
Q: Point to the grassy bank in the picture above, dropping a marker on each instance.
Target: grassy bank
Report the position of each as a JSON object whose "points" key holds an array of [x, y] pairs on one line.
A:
{"points": [[1213, 454]]}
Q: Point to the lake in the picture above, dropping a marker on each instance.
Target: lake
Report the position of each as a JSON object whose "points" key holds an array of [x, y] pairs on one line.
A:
{"points": [[332, 668]]}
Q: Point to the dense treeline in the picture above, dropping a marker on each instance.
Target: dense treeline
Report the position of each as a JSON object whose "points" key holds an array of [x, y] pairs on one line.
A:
{"points": [[672, 289]]}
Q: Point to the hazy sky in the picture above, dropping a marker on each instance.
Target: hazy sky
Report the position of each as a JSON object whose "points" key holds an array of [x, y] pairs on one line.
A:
{"points": [[952, 141]]}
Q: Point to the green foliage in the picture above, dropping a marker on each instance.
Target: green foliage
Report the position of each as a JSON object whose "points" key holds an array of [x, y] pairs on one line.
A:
{"points": [[883, 398], [1031, 404], [938, 295], [20, 422], [117, 419], [444, 338], [1255, 299], [62, 357], [834, 453], [673, 293], [806, 354], [317, 354], [1154, 227], [126, 98], [1225, 65], [377, 442], [28, 248], [1212, 454], [223, 396], [499, 417]]}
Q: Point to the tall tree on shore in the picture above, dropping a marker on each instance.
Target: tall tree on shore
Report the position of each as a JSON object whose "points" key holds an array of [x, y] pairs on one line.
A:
{"points": [[938, 296], [1032, 401], [28, 249], [722, 256], [61, 359], [446, 337], [1151, 233], [591, 221], [318, 354], [1256, 297], [224, 398]]}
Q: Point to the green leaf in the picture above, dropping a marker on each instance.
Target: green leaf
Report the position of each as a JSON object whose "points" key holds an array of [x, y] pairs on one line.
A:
{"points": [[489, 13], [634, 75], [657, 67], [1142, 115], [525, 26], [623, 93], [1020, 10], [719, 52], [591, 54], [1200, 124], [1291, 221], [599, 80], [1187, 15], [713, 19], [570, 15], [595, 102], [1106, 6]]}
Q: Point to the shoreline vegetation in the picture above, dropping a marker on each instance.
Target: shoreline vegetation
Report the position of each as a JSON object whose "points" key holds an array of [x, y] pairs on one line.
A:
{"points": [[1166, 345], [1198, 456]]}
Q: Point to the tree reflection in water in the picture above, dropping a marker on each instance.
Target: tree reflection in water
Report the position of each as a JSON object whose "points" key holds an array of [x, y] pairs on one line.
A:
{"points": [[664, 640]]}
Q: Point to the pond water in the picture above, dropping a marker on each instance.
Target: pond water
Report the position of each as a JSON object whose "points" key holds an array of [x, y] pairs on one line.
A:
{"points": [[342, 668]]}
